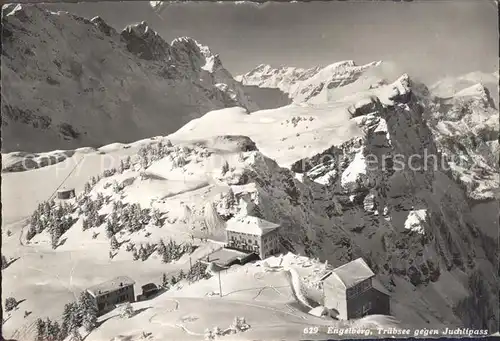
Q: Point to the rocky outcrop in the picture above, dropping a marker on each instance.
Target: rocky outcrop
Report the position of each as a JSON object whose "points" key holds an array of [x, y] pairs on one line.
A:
{"points": [[145, 43], [394, 184]]}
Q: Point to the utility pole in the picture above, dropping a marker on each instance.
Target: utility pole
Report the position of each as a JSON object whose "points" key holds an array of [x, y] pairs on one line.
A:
{"points": [[220, 285], [323, 289], [190, 265]]}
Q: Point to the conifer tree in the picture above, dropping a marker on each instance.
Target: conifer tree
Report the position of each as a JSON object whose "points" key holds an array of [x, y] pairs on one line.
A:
{"points": [[88, 311], [114, 243], [40, 330], [70, 319], [173, 280], [75, 336], [161, 248], [164, 281], [56, 233], [156, 217], [54, 331], [128, 162], [5, 262], [225, 167]]}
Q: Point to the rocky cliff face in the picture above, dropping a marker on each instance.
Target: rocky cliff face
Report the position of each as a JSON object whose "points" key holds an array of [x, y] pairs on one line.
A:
{"points": [[71, 82], [393, 197]]}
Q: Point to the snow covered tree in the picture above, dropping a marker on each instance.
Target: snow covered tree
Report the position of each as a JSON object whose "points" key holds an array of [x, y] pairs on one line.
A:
{"points": [[165, 257], [173, 280], [209, 335], [10, 304], [75, 336], [161, 248], [5, 262], [239, 324], [229, 199], [85, 224], [164, 281], [70, 319], [182, 275], [114, 243], [156, 217], [128, 311], [88, 311], [40, 330], [217, 331], [56, 233], [110, 229], [99, 200], [87, 188], [145, 161], [121, 168], [117, 187], [53, 330], [225, 167], [198, 271], [130, 247]]}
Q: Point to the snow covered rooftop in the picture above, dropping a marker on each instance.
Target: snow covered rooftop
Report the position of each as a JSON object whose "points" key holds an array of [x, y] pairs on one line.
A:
{"points": [[351, 273], [111, 285], [251, 225]]}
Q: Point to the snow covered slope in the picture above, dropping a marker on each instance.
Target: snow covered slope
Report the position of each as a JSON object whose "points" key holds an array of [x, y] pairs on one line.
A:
{"points": [[344, 169], [71, 82], [306, 166], [449, 86], [318, 84], [411, 218]]}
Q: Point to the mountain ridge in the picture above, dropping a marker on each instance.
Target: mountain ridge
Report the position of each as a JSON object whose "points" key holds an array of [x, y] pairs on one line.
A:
{"points": [[132, 72]]}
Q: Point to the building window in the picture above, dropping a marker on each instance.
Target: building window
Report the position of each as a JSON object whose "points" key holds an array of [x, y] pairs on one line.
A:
{"points": [[367, 307], [358, 313]]}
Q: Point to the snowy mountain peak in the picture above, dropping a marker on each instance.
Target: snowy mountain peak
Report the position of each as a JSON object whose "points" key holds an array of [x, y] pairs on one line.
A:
{"points": [[342, 64], [478, 90], [313, 84]]}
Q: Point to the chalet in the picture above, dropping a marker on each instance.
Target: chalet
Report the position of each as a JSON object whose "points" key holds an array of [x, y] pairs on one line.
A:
{"points": [[109, 294], [66, 193], [252, 234], [148, 290], [350, 291]]}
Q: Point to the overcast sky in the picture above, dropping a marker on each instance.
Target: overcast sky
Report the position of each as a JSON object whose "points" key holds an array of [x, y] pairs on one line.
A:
{"points": [[428, 40]]}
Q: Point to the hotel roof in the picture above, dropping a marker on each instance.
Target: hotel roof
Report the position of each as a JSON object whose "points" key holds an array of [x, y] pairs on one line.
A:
{"points": [[111, 285], [251, 225], [350, 274]]}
